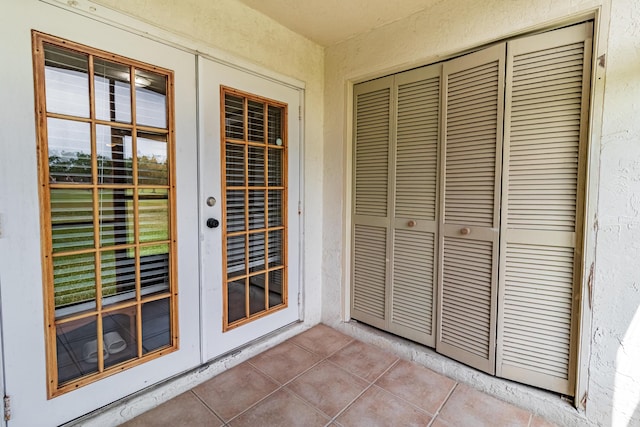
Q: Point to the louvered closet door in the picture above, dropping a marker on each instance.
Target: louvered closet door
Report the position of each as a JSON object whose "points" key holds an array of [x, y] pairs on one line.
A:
{"points": [[545, 148], [372, 135], [414, 211], [473, 101]]}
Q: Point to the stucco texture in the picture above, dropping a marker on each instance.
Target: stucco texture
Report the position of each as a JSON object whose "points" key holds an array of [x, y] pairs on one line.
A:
{"points": [[612, 341]]}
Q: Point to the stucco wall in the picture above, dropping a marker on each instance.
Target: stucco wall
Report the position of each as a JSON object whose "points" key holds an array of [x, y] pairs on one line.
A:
{"points": [[231, 26], [613, 337]]}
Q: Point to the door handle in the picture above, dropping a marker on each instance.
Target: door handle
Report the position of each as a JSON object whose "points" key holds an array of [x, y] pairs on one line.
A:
{"points": [[213, 223]]}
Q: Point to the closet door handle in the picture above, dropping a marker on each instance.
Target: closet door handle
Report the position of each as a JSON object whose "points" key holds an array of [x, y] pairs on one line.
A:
{"points": [[412, 223], [465, 231]]}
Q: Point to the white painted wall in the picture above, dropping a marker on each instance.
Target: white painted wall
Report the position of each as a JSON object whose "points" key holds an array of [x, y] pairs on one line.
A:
{"points": [[612, 340], [231, 26]]}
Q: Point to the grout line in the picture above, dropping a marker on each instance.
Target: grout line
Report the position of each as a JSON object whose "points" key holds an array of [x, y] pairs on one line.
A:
{"points": [[530, 419], [446, 399], [206, 406]]}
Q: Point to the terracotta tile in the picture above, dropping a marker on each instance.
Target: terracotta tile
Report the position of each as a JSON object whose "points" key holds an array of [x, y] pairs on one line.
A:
{"points": [[469, 407], [540, 422], [284, 361], [322, 340], [185, 409], [363, 360], [376, 407], [327, 387], [438, 422], [417, 384], [281, 409], [235, 390]]}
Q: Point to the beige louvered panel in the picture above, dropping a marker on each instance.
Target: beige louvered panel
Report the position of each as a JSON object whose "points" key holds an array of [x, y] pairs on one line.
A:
{"points": [[466, 297], [546, 106], [369, 273], [471, 159], [372, 152], [417, 149], [413, 280]]}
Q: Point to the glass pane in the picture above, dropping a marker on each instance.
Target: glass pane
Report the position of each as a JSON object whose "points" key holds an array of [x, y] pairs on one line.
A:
{"points": [[67, 81], [235, 165], [234, 117], [119, 336], [151, 99], [114, 155], [256, 209], [275, 208], [256, 166], [112, 91], [236, 256], [77, 349], [69, 151], [275, 248], [152, 159], [153, 214], [255, 119], [118, 276], [154, 269], [74, 283], [275, 287], [235, 210], [71, 219], [256, 252], [257, 301], [116, 217], [156, 325], [275, 167], [236, 303], [275, 125]]}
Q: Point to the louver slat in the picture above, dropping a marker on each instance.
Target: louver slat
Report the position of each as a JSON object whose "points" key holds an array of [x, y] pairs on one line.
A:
{"points": [[372, 152], [369, 271], [471, 161], [547, 81]]}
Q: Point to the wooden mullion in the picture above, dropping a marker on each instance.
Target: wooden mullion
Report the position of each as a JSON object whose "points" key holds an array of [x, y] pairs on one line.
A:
{"points": [[223, 215], [245, 107], [74, 118], [75, 317], [285, 204]]}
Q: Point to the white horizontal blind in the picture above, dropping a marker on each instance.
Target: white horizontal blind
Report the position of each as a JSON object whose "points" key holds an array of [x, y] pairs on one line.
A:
{"points": [[414, 184], [372, 135], [546, 99], [471, 158]]}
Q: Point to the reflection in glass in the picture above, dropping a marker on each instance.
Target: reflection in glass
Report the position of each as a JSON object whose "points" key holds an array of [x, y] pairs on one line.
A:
{"points": [[154, 269], [119, 336], [234, 117], [112, 91], [275, 167], [236, 306], [255, 121], [118, 276], [152, 159], [67, 81], [275, 248], [236, 256], [256, 252], [74, 282], [151, 99], [71, 219], [69, 151], [156, 325], [256, 166], [256, 209], [77, 348], [257, 294], [153, 214], [275, 125], [234, 165], [275, 208], [115, 209], [114, 153], [275, 287], [235, 210]]}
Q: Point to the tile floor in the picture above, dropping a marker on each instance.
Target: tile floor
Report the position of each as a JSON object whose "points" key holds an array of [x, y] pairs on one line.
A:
{"points": [[324, 378]]}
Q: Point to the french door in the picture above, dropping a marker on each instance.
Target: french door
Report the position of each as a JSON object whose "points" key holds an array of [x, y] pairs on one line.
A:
{"points": [[249, 175]]}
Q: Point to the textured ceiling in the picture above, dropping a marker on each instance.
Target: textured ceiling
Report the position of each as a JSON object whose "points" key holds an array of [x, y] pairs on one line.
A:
{"points": [[328, 22]]}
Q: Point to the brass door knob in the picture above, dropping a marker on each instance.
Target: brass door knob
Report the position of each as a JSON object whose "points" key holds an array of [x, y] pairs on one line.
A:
{"points": [[411, 223], [465, 231]]}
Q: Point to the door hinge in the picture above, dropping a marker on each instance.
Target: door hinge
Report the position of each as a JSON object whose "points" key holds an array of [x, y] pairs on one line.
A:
{"points": [[299, 112], [7, 408], [590, 285]]}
